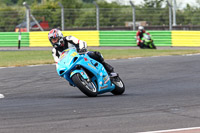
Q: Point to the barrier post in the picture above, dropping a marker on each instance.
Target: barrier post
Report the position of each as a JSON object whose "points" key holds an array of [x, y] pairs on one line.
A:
{"points": [[19, 38]]}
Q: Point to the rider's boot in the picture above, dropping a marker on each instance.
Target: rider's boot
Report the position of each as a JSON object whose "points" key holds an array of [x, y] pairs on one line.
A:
{"points": [[109, 69], [141, 45]]}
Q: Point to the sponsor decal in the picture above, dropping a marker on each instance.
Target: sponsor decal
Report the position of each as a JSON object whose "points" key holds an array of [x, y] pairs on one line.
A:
{"points": [[85, 59], [103, 87], [72, 73], [66, 50], [91, 66], [105, 77], [101, 74], [73, 54], [100, 83], [62, 55], [82, 73], [106, 81]]}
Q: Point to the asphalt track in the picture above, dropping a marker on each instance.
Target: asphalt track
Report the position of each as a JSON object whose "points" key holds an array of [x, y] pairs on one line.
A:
{"points": [[162, 93]]}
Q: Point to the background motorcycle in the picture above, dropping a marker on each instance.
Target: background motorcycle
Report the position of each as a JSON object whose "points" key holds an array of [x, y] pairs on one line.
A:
{"points": [[87, 74], [147, 42]]}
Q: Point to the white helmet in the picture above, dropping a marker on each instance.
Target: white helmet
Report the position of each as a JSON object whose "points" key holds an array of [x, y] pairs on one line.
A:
{"points": [[140, 28], [55, 33]]}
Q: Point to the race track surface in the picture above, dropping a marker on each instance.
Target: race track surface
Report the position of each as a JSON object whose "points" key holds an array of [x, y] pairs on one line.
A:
{"points": [[162, 93]]}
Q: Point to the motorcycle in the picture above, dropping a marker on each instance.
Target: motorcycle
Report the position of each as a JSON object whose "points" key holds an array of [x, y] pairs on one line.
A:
{"points": [[148, 42], [87, 74]]}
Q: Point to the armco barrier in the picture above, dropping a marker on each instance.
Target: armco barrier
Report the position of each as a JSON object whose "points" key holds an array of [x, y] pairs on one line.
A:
{"points": [[186, 38], [117, 38], [103, 38], [10, 39], [161, 38], [91, 37], [40, 39], [128, 38]]}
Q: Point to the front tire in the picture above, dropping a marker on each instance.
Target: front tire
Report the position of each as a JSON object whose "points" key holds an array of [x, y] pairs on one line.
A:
{"points": [[87, 87], [119, 86]]}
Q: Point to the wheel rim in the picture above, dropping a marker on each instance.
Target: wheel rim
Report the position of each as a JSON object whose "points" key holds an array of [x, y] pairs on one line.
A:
{"points": [[89, 85]]}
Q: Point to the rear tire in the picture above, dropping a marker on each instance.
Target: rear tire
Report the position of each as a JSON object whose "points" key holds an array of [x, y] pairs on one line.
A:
{"points": [[119, 86], [153, 46], [87, 87]]}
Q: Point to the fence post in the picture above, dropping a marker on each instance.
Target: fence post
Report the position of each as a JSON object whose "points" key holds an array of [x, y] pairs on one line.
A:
{"points": [[174, 12], [133, 12], [27, 16], [36, 22], [170, 15], [62, 16], [19, 38], [97, 15]]}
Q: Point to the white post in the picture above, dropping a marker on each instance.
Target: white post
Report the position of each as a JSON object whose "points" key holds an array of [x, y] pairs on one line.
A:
{"points": [[27, 16], [97, 15], [174, 12], [62, 16], [133, 12], [170, 15]]}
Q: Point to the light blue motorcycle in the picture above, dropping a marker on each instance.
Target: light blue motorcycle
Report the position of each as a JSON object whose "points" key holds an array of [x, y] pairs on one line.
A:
{"points": [[87, 74]]}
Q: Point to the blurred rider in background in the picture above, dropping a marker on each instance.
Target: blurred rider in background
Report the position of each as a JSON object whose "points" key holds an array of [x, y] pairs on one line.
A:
{"points": [[139, 36], [60, 43]]}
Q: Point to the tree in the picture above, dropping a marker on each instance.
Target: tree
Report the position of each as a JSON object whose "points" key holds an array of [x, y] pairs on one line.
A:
{"points": [[88, 1], [154, 3]]}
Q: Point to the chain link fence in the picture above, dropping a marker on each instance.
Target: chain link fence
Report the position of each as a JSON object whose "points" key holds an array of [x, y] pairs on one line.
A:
{"points": [[109, 19]]}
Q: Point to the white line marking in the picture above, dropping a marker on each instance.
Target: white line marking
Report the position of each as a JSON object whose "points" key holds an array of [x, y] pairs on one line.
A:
{"points": [[191, 54], [28, 66], [1, 96], [40, 65], [108, 59], [172, 130]]}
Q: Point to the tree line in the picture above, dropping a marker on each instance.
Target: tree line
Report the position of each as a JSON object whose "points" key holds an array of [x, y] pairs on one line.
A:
{"points": [[155, 12]]}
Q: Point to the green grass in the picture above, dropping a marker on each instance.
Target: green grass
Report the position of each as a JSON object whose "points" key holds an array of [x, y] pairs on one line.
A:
{"points": [[23, 58]]}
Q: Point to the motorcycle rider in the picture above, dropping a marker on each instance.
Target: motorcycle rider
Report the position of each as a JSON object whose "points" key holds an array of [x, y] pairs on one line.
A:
{"points": [[139, 36], [60, 43]]}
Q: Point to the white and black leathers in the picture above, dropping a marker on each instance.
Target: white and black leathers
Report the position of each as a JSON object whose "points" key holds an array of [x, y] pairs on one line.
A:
{"points": [[71, 41], [67, 42]]}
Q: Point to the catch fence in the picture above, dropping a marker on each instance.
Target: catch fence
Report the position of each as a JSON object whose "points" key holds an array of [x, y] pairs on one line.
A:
{"points": [[101, 19]]}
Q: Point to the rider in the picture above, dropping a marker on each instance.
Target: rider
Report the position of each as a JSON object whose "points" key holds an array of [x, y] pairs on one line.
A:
{"points": [[60, 43], [139, 36]]}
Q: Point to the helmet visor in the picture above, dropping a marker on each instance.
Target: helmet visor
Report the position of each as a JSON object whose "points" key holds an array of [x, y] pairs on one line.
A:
{"points": [[54, 40]]}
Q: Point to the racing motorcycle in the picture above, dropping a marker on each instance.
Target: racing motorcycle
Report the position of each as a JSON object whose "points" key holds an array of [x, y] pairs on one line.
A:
{"points": [[148, 42], [87, 74]]}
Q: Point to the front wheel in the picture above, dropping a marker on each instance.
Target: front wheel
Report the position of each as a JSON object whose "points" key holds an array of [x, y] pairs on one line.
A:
{"points": [[85, 86], [119, 86]]}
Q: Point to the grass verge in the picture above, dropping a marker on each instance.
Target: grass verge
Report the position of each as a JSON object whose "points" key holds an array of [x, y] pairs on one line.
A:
{"points": [[23, 58]]}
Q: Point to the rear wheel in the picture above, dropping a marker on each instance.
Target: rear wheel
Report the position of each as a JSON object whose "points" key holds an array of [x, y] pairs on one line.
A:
{"points": [[85, 86], [119, 86]]}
